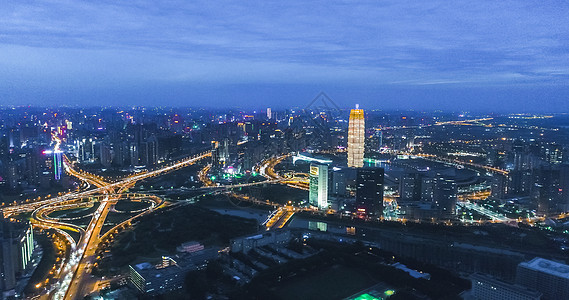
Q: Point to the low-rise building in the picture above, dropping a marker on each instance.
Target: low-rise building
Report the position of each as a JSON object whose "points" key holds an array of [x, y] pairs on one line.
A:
{"points": [[546, 276], [247, 243], [413, 273], [190, 247], [169, 274], [485, 287]]}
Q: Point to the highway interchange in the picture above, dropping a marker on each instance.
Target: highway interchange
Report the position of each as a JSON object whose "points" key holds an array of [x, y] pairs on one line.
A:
{"points": [[71, 279]]}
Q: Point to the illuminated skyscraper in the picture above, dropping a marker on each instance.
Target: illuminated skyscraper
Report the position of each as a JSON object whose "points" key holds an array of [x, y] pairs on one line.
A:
{"points": [[369, 191], [318, 195], [57, 164], [356, 138], [445, 195]]}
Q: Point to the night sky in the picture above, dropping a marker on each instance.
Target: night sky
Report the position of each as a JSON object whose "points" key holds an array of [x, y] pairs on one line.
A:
{"points": [[488, 56]]}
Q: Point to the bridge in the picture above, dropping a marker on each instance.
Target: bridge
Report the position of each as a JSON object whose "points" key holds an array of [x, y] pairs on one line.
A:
{"points": [[309, 159], [445, 160], [280, 217]]}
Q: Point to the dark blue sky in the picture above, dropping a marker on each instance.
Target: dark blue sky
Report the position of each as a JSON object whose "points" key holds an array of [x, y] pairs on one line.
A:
{"points": [[424, 55]]}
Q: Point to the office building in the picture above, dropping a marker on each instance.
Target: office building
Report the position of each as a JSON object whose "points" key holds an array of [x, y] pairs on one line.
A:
{"points": [[356, 138], [369, 191], [57, 164], [106, 154], [485, 287], [318, 195], [410, 187], [564, 186], [339, 181], [552, 153], [546, 276], [547, 191], [17, 246], [445, 195], [427, 189]]}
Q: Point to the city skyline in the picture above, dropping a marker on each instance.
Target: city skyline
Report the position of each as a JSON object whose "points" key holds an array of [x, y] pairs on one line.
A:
{"points": [[483, 56], [128, 201], [371, 149]]}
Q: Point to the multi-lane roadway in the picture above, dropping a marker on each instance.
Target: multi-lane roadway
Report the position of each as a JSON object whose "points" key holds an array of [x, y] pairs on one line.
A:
{"points": [[72, 279]]}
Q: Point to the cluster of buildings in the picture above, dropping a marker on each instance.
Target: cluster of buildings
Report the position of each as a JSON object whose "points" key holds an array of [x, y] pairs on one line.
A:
{"points": [[265, 138], [422, 192], [365, 182], [535, 160], [538, 172], [28, 164], [249, 255]]}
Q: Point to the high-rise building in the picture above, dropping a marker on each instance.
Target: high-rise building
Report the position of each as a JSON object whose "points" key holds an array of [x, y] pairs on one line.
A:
{"points": [[57, 164], [500, 186], [269, 113], [369, 191], [356, 138], [552, 153], [548, 277], [106, 154], [427, 189], [410, 186], [339, 182], [547, 191], [133, 151], [318, 195], [149, 151], [445, 195], [16, 248], [564, 186]]}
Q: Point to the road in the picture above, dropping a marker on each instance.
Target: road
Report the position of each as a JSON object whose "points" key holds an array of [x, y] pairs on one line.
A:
{"points": [[80, 283], [484, 211], [72, 279]]}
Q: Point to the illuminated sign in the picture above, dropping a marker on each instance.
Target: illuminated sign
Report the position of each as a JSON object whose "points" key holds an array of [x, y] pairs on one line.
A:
{"points": [[314, 170]]}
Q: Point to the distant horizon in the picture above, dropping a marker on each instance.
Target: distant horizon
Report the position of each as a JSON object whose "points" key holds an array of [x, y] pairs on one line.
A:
{"points": [[275, 109], [556, 106]]}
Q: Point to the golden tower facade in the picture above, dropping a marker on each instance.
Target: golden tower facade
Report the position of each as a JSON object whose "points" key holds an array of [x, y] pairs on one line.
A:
{"points": [[356, 138]]}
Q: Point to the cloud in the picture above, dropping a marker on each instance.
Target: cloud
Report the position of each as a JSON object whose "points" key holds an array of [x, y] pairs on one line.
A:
{"points": [[368, 42]]}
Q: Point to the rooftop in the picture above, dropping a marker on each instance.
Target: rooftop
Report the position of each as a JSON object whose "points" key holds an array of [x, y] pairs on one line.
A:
{"points": [[547, 266]]}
